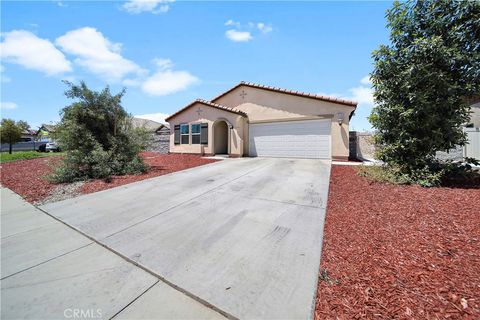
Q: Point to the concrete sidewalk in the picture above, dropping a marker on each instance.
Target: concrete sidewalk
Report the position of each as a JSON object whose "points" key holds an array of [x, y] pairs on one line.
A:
{"points": [[50, 271]]}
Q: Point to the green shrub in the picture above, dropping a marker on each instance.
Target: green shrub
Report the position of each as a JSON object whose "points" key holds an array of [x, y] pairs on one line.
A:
{"points": [[98, 137]]}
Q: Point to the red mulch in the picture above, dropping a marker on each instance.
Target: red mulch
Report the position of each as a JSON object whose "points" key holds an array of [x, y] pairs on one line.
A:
{"points": [[26, 177], [399, 252]]}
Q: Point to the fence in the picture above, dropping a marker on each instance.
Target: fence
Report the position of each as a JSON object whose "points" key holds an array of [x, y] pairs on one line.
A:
{"points": [[472, 149], [362, 147], [22, 146]]}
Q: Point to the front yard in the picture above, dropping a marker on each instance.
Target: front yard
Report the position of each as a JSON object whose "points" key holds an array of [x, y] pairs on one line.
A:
{"points": [[389, 251], [24, 155], [27, 177], [399, 252]]}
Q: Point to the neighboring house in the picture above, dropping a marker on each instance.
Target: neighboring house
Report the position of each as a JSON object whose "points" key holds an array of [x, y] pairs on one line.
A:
{"points": [[45, 132], [475, 115], [160, 134], [257, 120], [28, 135], [472, 148]]}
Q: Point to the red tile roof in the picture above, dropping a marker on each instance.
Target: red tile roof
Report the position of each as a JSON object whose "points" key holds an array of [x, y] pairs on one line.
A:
{"points": [[292, 92], [210, 104]]}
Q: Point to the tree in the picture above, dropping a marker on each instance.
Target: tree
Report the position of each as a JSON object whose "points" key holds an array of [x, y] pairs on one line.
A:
{"points": [[23, 125], [97, 135], [10, 132], [422, 82]]}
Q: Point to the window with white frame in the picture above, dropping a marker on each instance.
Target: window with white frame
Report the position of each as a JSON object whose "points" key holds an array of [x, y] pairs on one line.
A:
{"points": [[196, 133], [184, 134]]}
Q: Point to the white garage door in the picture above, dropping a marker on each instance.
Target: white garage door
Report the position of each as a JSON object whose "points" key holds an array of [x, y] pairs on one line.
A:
{"points": [[292, 139]]}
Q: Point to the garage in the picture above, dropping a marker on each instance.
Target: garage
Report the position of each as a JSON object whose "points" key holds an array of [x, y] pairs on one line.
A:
{"points": [[291, 139]]}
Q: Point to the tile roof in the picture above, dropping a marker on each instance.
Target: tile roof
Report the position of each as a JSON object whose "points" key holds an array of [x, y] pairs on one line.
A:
{"points": [[292, 92], [210, 104], [147, 124]]}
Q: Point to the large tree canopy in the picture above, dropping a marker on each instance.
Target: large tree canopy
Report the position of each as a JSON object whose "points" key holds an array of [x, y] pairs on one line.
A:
{"points": [[423, 79], [97, 135]]}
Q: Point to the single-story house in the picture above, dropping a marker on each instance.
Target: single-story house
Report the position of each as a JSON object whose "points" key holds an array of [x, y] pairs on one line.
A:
{"points": [[28, 135], [45, 132], [160, 134], [257, 120]]}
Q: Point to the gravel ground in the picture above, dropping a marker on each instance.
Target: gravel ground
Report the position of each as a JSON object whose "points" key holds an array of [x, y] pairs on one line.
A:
{"points": [[62, 192], [399, 252], [27, 177]]}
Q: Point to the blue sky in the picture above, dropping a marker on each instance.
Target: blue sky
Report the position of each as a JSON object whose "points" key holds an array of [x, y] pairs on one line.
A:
{"points": [[169, 53]]}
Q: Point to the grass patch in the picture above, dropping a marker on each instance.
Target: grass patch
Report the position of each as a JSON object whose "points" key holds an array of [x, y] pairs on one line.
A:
{"points": [[447, 174], [381, 174], [25, 155], [325, 277]]}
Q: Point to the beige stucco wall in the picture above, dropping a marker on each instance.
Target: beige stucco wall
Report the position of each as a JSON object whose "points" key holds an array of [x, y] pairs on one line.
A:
{"points": [[208, 115], [262, 105]]}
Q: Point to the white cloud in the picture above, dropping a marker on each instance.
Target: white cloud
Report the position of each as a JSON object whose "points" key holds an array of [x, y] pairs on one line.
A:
{"points": [[366, 81], [159, 117], [264, 28], [362, 94], [244, 33], [61, 4], [165, 82], [6, 105], [238, 36], [97, 54], [26, 49], [163, 64], [153, 6], [232, 23]]}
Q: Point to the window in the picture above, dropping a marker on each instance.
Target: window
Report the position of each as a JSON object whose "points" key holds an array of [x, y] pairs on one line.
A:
{"points": [[184, 134], [196, 133]]}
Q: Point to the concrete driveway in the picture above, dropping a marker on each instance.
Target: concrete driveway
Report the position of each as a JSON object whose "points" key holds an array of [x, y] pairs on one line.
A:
{"points": [[241, 236]]}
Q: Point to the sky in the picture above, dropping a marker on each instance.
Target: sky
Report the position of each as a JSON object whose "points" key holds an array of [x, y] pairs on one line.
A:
{"points": [[168, 53]]}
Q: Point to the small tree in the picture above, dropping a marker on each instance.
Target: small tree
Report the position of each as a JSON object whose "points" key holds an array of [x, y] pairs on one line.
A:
{"points": [[23, 125], [10, 132], [421, 82], [97, 135]]}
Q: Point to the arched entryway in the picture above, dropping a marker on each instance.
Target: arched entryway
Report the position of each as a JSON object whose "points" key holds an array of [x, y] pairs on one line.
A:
{"points": [[220, 137]]}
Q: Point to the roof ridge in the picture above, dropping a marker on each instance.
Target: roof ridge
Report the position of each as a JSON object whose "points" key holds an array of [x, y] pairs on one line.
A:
{"points": [[208, 103], [288, 91]]}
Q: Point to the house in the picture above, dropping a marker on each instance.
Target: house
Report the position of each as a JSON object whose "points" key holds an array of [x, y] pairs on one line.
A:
{"points": [[45, 132], [28, 135], [257, 120], [160, 134], [474, 115]]}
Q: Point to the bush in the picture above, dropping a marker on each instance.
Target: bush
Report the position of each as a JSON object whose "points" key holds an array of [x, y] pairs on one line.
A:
{"points": [[439, 173], [98, 137]]}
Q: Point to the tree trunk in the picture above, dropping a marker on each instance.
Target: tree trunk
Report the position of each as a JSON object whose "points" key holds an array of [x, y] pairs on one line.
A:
{"points": [[10, 148]]}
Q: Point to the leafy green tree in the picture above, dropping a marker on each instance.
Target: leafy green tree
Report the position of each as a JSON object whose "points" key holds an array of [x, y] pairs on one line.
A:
{"points": [[23, 125], [422, 82], [98, 137], [10, 132]]}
